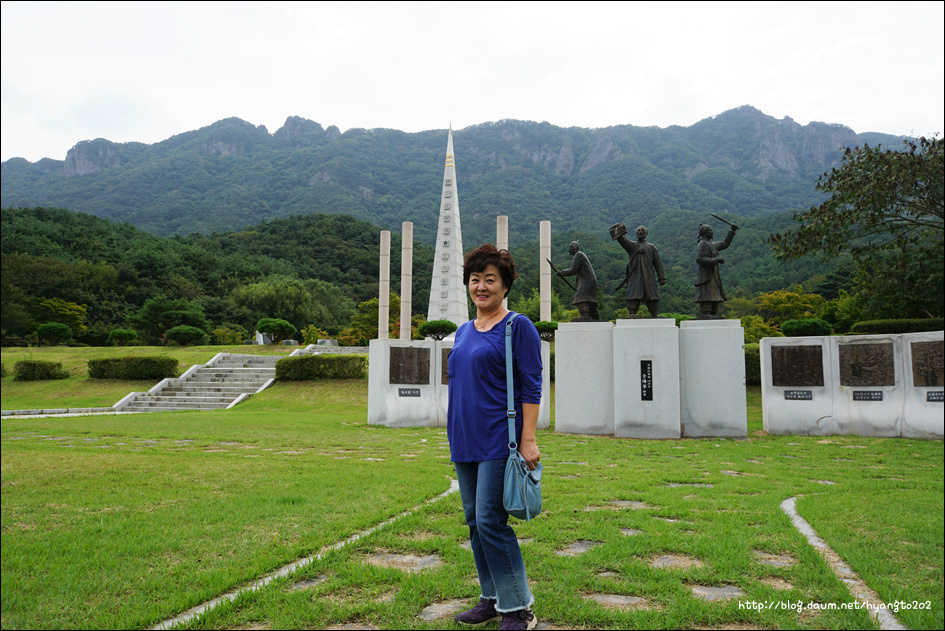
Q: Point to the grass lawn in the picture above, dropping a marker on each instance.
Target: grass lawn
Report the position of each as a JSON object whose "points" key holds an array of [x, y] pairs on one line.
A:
{"points": [[80, 391], [124, 521]]}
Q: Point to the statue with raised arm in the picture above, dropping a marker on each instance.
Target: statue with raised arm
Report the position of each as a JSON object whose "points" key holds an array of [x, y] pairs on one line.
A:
{"points": [[585, 294], [644, 270], [709, 292]]}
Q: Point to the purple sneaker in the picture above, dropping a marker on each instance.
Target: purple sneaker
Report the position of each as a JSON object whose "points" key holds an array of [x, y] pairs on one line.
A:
{"points": [[520, 619], [483, 612]]}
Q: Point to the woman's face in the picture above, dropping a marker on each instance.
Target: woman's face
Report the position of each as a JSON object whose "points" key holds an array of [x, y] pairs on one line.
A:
{"points": [[486, 288]]}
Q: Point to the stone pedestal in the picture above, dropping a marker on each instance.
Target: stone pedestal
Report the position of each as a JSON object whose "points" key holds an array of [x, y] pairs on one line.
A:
{"points": [[712, 379], [584, 380], [646, 379], [797, 386]]}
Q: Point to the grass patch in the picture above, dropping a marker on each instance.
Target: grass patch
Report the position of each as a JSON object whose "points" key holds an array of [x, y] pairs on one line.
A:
{"points": [[121, 522]]}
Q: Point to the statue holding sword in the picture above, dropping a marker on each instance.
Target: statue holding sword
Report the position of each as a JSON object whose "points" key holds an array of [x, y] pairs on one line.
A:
{"points": [[709, 293], [585, 294]]}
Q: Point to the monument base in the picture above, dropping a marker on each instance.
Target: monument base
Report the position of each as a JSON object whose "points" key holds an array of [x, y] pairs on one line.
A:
{"points": [[646, 378], [584, 381], [712, 379]]}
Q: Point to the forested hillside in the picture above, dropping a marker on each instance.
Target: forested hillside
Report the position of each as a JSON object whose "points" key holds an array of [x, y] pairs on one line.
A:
{"points": [[233, 174], [310, 270]]}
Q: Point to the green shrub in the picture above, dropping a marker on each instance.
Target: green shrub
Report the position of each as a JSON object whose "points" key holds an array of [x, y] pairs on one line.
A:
{"points": [[228, 335], [436, 329], [753, 364], [122, 337], [133, 368], [310, 367], [890, 327], [29, 370], [546, 330], [806, 327], [53, 333], [185, 335], [551, 368]]}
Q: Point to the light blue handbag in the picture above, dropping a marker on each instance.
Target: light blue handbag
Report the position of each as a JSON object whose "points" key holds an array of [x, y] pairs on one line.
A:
{"points": [[522, 493]]}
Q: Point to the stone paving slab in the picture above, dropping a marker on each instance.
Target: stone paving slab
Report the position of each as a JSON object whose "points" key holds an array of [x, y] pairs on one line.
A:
{"points": [[578, 548], [675, 561], [724, 592]]}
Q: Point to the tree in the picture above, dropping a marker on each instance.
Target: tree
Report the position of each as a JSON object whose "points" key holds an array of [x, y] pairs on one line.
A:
{"points": [[275, 328], [53, 333], [782, 305], [887, 208], [436, 329], [160, 313], [122, 337], [184, 335]]}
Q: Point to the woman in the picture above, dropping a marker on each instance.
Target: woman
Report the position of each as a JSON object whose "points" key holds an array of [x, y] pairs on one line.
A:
{"points": [[477, 425]]}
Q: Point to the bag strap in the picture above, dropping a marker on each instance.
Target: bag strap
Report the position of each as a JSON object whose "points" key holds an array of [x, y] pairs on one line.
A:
{"points": [[508, 380]]}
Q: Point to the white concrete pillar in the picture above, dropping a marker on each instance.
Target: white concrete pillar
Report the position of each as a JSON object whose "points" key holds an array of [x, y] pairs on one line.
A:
{"points": [[502, 241], [406, 279], [383, 298], [502, 232], [544, 286]]}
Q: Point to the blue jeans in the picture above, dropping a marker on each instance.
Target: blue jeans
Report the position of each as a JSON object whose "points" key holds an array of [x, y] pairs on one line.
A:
{"points": [[494, 546]]}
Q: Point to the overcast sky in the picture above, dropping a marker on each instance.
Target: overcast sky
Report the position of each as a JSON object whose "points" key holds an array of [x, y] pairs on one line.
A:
{"points": [[145, 71]]}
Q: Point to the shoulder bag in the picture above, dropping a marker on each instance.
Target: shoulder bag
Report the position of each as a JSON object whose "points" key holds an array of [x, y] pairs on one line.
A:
{"points": [[522, 492]]}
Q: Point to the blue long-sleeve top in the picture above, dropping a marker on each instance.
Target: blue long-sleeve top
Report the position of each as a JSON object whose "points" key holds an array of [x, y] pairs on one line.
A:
{"points": [[477, 419]]}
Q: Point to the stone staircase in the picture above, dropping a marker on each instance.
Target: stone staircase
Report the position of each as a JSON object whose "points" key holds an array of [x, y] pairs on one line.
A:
{"points": [[223, 382]]}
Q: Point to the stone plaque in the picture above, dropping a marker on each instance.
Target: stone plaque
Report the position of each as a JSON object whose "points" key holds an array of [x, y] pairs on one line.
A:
{"points": [[408, 392], [935, 396], [928, 364], [867, 395], [797, 366], [409, 365], [444, 373], [867, 365], [646, 379], [798, 395]]}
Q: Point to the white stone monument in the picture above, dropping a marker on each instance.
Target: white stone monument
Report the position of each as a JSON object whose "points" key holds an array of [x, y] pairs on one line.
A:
{"points": [[584, 378], [646, 378]]}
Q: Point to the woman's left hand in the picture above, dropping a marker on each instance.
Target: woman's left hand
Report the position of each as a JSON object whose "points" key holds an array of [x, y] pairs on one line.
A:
{"points": [[529, 451]]}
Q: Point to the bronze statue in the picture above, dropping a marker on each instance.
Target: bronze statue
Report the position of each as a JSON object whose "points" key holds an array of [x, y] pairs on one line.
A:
{"points": [[709, 293], [585, 294], [644, 270]]}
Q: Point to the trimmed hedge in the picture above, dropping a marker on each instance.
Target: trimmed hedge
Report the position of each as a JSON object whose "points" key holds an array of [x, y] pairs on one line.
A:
{"points": [[806, 327], [889, 327], [310, 367], [29, 370], [753, 364], [133, 368]]}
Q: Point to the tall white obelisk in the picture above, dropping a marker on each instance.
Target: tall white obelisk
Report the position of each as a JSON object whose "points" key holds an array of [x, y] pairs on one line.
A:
{"points": [[447, 294]]}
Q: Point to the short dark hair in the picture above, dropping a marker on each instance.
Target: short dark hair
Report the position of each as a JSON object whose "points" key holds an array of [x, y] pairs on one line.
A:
{"points": [[485, 255]]}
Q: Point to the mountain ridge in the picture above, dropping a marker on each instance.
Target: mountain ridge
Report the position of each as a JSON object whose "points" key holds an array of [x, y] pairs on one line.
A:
{"points": [[233, 173]]}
